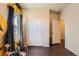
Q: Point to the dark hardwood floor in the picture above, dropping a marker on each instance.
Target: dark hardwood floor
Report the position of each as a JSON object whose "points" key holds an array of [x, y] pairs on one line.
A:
{"points": [[53, 50]]}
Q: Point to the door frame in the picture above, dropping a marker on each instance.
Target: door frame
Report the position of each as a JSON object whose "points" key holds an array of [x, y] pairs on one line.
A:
{"points": [[50, 24]]}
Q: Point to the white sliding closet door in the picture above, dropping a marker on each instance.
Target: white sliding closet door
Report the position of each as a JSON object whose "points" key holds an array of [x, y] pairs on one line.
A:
{"points": [[35, 27], [38, 27]]}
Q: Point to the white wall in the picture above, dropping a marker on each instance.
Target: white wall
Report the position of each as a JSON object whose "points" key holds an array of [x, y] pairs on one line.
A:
{"points": [[37, 15], [4, 10], [71, 16]]}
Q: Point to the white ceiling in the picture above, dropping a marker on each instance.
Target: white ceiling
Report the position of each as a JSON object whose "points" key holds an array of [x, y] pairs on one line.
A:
{"points": [[51, 6]]}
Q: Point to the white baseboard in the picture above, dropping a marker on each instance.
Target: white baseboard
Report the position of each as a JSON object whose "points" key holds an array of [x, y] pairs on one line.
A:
{"points": [[71, 50], [40, 45], [45, 45]]}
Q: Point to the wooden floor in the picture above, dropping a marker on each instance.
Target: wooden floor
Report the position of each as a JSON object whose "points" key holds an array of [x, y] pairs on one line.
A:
{"points": [[53, 50]]}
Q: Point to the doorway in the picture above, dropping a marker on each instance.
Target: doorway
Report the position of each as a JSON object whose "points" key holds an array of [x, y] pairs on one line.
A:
{"points": [[56, 27]]}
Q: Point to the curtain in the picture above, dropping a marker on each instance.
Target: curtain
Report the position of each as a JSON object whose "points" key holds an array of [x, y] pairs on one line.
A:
{"points": [[10, 33], [21, 33], [11, 28]]}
